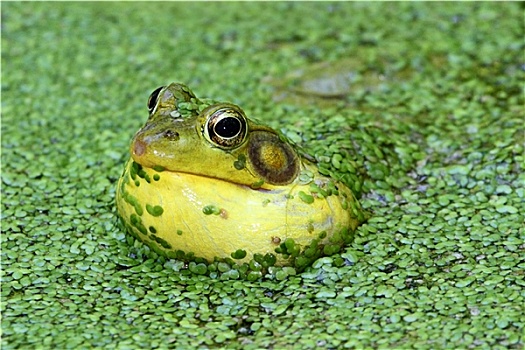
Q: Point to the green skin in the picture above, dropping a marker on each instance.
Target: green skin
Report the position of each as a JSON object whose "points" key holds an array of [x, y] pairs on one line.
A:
{"points": [[181, 129]]}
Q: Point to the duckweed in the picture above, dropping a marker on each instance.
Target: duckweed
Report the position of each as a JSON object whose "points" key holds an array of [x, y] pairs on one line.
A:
{"points": [[240, 163], [154, 210], [211, 209], [423, 121], [305, 197], [239, 254]]}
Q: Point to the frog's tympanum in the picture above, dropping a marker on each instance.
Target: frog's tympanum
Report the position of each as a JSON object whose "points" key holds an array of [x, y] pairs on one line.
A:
{"points": [[206, 182]]}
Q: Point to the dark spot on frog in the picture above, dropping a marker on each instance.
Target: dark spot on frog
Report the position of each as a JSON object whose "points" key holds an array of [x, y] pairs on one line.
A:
{"points": [[171, 135], [139, 148]]}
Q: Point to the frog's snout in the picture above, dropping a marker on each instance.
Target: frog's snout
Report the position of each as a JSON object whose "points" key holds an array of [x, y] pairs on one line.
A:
{"points": [[141, 142]]}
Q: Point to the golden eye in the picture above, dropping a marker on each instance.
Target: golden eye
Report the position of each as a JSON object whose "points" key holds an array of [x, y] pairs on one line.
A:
{"points": [[152, 100], [226, 127]]}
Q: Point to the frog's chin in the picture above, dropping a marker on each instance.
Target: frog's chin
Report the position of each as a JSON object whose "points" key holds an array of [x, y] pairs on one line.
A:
{"points": [[203, 178]]}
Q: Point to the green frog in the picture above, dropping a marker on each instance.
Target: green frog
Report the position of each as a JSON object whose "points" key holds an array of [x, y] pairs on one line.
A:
{"points": [[205, 182]]}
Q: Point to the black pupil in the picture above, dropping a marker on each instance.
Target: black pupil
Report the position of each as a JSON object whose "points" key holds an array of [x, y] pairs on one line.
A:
{"points": [[152, 100], [228, 127]]}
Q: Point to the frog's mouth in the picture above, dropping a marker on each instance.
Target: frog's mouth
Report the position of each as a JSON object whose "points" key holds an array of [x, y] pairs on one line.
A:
{"points": [[139, 155], [149, 157]]}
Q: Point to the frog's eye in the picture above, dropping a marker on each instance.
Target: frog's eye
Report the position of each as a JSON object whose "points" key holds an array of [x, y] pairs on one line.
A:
{"points": [[152, 100], [226, 128]]}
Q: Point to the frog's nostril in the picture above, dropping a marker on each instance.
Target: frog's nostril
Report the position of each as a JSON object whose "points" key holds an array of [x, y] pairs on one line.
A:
{"points": [[171, 135], [139, 148]]}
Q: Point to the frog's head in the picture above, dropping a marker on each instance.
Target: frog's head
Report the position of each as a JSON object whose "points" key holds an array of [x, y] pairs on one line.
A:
{"points": [[216, 140]]}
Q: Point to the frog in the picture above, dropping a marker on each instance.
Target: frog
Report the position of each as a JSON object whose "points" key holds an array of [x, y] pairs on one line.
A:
{"points": [[206, 183]]}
